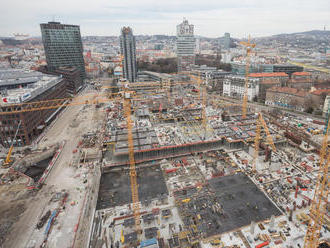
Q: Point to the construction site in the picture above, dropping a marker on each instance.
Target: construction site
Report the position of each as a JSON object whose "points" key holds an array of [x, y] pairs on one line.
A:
{"points": [[167, 164]]}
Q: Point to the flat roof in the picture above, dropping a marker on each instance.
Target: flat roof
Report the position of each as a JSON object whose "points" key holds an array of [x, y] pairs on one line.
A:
{"points": [[269, 74], [39, 84], [18, 76]]}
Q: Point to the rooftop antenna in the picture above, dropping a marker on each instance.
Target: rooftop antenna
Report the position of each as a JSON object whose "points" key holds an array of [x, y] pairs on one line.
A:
{"points": [[53, 18]]}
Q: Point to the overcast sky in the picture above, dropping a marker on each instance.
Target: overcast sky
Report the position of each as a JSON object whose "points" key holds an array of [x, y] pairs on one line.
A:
{"points": [[212, 18]]}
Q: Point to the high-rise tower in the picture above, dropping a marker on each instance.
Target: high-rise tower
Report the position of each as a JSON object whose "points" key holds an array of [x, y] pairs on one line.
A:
{"points": [[63, 46], [227, 41], [185, 45], [128, 51]]}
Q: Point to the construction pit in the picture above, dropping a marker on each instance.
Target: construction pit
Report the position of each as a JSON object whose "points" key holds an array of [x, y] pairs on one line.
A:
{"points": [[200, 183]]}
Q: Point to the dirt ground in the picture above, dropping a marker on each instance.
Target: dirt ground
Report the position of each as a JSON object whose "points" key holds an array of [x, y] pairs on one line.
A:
{"points": [[12, 206], [21, 209]]}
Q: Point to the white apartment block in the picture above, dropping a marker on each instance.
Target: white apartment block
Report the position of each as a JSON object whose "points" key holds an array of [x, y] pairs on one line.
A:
{"points": [[234, 86]]}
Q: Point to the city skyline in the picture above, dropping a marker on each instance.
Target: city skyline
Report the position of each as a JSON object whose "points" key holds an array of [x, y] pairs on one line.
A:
{"points": [[146, 17]]}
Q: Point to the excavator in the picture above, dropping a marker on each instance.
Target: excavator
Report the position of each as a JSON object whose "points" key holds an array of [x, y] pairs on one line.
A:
{"points": [[8, 160]]}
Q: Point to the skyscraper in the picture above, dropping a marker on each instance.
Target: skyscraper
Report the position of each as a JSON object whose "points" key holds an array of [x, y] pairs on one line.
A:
{"points": [[128, 50], [227, 41], [185, 45], [63, 46]]}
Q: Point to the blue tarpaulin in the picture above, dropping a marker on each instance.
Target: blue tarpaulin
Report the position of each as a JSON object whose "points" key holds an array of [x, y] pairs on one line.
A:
{"points": [[148, 242]]}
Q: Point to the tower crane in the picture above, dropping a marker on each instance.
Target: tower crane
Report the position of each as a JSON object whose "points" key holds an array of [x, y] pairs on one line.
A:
{"points": [[132, 167], [199, 80], [204, 121], [261, 123], [249, 46], [318, 207]]}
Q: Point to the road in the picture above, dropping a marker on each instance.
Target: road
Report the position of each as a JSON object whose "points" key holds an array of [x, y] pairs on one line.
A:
{"points": [[61, 176]]}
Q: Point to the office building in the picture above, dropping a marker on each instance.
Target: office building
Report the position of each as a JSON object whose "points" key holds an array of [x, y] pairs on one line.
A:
{"points": [[288, 69], [63, 46], [128, 51], [185, 45], [227, 41], [41, 87], [71, 74]]}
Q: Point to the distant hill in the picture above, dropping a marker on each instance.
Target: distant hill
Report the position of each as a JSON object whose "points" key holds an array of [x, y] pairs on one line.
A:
{"points": [[314, 32], [318, 33], [11, 42]]}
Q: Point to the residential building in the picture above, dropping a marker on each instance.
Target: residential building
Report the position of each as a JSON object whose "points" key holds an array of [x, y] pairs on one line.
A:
{"points": [[185, 46], [318, 97], [290, 98], [215, 80], [234, 86], [301, 80], [63, 46], [269, 80], [44, 87], [128, 51], [213, 77], [326, 106]]}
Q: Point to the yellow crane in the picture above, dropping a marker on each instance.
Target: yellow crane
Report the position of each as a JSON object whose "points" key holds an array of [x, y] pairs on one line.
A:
{"points": [[249, 46], [8, 160], [318, 207], [261, 123], [132, 167], [199, 80], [169, 90], [204, 120]]}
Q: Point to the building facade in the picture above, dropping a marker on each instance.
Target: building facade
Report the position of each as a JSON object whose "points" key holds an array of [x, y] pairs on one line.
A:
{"points": [[185, 46], [269, 80], [234, 86], [128, 51], [239, 68], [215, 79], [301, 80], [290, 98], [46, 87], [71, 74], [227, 41], [63, 46], [326, 106], [288, 69]]}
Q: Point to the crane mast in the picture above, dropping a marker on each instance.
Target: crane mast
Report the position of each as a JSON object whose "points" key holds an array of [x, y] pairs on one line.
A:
{"points": [[261, 123], [249, 46], [132, 167], [204, 120], [320, 199]]}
